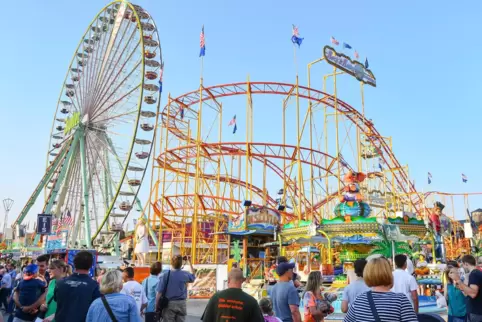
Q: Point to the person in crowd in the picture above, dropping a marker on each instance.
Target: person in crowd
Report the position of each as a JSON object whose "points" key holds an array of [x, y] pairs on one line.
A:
{"points": [[405, 283], [11, 269], [473, 288], [149, 285], [175, 282], [351, 292], [42, 262], [284, 294], [266, 307], [134, 289], [6, 288], [296, 280], [269, 276], [314, 307], [29, 295], [75, 293], [123, 307], [58, 270], [380, 301], [232, 302], [456, 301], [100, 274]]}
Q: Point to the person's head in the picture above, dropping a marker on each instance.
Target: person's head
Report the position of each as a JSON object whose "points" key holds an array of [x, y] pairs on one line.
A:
{"points": [[468, 263], [235, 278], [452, 263], [266, 306], [128, 274], [42, 262], [30, 271], [282, 259], [378, 272], [156, 268], [58, 269], [401, 261], [111, 282], [83, 261], [450, 273], [360, 266], [3, 271], [285, 271], [176, 262], [314, 282]]}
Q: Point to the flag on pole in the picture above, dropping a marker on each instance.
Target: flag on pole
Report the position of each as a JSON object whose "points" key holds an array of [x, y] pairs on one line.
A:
{"points": [[182, 112], [295, 38], [334, 41], [380, 165], [429, 178], [366, 62], [202, 44], [464, 178], [161, 71], [319, 174], [356, 54], [345, 45], [233, 121]]}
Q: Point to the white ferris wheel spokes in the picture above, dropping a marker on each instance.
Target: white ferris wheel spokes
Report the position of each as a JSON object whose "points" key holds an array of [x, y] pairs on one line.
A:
{"points": [[104, 125]]}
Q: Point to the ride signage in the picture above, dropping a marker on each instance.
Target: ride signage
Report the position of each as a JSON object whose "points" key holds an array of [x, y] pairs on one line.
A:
{"points": [[353, 68], [44, 224]]}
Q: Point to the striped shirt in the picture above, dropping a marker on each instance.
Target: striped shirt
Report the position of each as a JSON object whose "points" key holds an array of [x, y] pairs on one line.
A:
{"points": [[391, 307]]}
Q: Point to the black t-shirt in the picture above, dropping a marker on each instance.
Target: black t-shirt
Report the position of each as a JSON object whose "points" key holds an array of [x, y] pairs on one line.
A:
{"points": [[29, 291], [74, 295], [475, 305], [232, 304]]}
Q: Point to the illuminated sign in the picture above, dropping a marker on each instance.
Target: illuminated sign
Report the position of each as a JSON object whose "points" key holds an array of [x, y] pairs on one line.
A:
{"points": [[354, 68], [72, 122]]}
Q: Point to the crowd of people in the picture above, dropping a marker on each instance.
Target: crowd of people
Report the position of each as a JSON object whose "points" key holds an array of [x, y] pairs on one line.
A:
{"points": [[379, 293], [48, 291]]}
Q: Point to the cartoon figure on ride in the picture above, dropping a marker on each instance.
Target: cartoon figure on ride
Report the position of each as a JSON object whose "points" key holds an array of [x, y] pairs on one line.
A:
{"points": [[351, 203], [439, 225]]}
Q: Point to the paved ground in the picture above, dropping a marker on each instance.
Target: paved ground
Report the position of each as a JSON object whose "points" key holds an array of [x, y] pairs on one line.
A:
{"points": [[195, 309]]}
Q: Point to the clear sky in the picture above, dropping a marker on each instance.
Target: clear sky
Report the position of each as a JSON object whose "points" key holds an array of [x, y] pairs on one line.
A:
{"points": [[426, 56]]}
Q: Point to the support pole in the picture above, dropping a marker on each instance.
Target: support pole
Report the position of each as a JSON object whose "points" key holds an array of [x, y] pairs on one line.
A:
{"points": [[85, 190]]}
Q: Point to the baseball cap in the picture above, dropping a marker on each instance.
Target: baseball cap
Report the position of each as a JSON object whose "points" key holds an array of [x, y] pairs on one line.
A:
{"points": [[31, 269], [282, 268]]}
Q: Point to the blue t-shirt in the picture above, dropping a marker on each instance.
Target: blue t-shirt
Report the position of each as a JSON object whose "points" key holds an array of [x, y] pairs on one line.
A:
{"points": [[177, 288], [457, 301], [149, 285], [29, 291], [73, 295], [283, 295]]}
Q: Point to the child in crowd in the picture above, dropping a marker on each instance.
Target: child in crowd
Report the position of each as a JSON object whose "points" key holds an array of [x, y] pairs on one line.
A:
{"points": [[267, 310]]}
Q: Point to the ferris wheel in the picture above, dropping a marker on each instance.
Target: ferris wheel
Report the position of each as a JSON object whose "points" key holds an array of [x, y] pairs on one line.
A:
{"points": [[104, 125]]}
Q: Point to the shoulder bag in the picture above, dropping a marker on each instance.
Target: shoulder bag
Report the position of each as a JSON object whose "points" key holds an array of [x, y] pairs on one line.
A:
{"points": [[372, 306], [109, 310], [163, 300]]}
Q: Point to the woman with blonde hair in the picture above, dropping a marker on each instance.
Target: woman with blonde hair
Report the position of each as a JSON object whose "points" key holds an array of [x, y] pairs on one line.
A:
{"points": [[57, 270], [112, 305], [380, 304]]}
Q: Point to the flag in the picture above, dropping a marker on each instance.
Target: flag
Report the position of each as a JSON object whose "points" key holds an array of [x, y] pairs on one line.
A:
{"points": [[334, 41], [380, 165], [464, 178], [202, 44], [356, 54], [429, 178], [235, 128], [295, 39], [366, 62], [160, 77], [345, 45], [233, 121], [182, 112], [319, 174]]}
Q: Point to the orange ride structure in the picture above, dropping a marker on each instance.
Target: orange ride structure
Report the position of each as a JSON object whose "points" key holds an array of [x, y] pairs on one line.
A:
{"points": [[281, 147]]}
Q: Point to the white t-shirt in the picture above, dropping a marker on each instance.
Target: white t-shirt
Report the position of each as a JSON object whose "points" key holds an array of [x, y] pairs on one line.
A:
{"points": [[134, 289], [409, 269], [404, 283]]}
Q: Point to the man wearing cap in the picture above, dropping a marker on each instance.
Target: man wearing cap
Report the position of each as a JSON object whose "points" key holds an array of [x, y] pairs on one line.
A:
{"points": [[284, 294], [29, 295]]}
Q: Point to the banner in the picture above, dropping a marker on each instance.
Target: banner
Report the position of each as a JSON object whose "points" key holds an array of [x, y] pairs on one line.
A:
{"points": [[44, 224], [353, 68]]}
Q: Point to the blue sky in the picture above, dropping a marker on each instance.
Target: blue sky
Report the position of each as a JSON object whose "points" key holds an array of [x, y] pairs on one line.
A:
{"points": [[425, 55]]}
